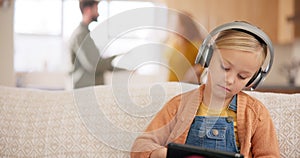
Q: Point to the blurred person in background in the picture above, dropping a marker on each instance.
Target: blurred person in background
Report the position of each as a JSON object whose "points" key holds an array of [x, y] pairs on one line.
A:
{"points": [[184, 49], [88, 66]]}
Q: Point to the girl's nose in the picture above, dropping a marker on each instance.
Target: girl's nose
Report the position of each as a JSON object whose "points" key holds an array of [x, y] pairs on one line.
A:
{"points": [[230, 77]]}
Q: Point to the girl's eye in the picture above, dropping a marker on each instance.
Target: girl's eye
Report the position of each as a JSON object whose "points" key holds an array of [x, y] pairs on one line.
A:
{"points": [[225, 68], [242, 77]]}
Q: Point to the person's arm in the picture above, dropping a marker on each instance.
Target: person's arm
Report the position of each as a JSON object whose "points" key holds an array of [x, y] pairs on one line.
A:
{"points": [[152, 143], [105, 64], [159, 153], [93, 58], [87, 54], [264, 140]]}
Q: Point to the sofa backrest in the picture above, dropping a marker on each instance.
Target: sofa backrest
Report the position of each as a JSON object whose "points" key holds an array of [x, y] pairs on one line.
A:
{"points": [[103, 121]]}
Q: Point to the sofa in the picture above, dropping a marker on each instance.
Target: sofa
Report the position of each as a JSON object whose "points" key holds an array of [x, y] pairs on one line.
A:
{"points": [[103, 121]]}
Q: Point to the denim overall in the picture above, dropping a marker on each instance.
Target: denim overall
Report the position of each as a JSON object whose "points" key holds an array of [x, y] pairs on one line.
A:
{"points": [[214, 132]]}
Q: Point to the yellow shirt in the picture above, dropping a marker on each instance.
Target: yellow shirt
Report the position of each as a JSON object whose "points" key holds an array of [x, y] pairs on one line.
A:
{"points": [[203, 110]]}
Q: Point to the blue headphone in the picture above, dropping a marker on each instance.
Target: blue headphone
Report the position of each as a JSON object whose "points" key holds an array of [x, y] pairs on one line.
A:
{"points": [[206, 50]]}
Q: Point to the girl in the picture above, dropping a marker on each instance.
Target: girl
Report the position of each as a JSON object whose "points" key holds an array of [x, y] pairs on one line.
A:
{"points": [[218, 115]]}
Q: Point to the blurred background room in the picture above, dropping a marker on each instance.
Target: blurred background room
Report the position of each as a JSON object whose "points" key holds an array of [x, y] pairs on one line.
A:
{"points": [[34, 38]]}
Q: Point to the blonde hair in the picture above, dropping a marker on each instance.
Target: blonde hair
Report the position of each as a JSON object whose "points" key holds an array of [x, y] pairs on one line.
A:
{"points": [[241, 40]]}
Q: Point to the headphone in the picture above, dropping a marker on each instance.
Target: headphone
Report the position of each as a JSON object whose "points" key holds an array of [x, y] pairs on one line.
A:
{"points": [[205, 52]]}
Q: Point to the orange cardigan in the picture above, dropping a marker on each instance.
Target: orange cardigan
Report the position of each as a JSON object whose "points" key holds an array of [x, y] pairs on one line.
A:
{"points": [[256, 132]]}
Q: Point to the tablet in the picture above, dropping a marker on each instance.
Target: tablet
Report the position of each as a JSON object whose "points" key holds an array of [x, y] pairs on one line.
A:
{"points": [[189, 151]]}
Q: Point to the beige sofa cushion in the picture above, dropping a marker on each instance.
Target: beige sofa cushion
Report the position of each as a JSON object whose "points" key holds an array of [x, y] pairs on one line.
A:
{"points": [[285, 111], [104, 121]]}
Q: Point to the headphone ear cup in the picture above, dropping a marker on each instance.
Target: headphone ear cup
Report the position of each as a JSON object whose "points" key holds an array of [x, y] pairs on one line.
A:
{"points": [[210, 52], [204, 55], [254, 81]]}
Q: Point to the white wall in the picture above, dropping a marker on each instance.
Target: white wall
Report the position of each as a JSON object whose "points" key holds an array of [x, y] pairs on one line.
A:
{"points": [[7, 75]]}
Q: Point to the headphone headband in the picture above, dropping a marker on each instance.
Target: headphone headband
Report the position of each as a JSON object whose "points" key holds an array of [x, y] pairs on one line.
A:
{"points": [[205, 52]]}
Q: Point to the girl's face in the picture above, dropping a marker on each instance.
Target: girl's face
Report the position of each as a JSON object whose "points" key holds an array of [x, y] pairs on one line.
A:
{"points": [[230, 71]]}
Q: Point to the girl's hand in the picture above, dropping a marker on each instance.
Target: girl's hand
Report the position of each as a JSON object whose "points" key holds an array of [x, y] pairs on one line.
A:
{"points": [[159, 153]]}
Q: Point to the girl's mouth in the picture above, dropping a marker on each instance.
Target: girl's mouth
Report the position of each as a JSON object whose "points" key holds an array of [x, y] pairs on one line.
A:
{"points": [[226, 89]]}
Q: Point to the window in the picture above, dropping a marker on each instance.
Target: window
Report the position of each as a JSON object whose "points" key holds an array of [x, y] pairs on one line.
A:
{"points": [[42, 17]]}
